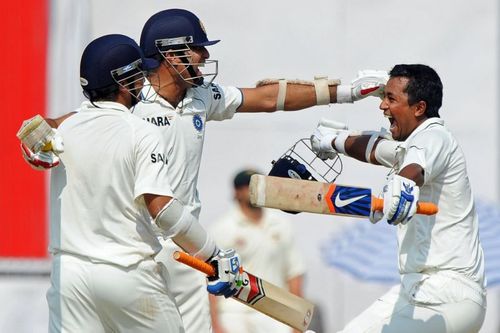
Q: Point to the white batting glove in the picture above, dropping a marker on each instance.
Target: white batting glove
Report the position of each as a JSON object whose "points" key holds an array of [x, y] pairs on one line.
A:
{"points": [[323, 135], [57, 144], [44, 159], [367, 83], [400, 200], [228, 279]]}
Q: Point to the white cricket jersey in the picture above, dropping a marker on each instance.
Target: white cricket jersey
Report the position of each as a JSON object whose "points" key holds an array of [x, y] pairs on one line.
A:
{"points": [[184, 129], [449, 240], [111, 159], [266, 249]]}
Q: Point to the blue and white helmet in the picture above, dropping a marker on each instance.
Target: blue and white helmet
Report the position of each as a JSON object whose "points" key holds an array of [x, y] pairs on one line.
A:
{"points": [[177, 31]]}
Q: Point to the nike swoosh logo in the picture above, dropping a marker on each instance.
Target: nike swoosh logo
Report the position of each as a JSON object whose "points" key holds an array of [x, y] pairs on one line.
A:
{"points": [[341, 203]]}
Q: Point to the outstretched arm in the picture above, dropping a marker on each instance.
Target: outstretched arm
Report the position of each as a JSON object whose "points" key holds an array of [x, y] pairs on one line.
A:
{"points": [[330, 138], [280, 94]]}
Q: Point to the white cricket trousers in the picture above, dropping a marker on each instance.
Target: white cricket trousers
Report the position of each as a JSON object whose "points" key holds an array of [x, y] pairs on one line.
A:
{"points": [[95, 297], [395, 313], [251, 322], [189, 288]]}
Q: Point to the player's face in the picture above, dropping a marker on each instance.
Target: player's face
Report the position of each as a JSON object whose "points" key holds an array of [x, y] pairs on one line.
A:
{"points": [[402, 116], [199, 54]]}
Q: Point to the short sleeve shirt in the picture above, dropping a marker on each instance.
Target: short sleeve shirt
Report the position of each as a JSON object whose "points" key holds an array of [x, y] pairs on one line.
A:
{"points": [[111, 159], [448, 240], [184, 128]]}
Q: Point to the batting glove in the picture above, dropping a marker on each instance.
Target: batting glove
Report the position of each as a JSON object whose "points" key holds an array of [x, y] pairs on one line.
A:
{"points": [[323, 135], [228, 278], [367, 83], [43, 160], [400, 200]]}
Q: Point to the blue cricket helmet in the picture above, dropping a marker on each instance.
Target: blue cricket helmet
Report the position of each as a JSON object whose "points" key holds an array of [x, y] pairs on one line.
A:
{"points": [[107, 54], [173, 26]]}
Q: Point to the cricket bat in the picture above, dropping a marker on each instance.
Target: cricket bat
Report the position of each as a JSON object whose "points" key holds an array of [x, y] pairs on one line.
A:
{"points": [[299, 195], [277, 303]]}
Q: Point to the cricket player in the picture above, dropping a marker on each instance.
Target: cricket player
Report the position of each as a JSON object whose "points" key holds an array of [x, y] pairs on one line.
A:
{"points": [[104, 277], [441, 260], [185, 98]]}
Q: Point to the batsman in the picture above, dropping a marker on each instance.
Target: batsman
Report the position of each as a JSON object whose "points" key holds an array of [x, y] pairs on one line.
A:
{"points": [[441, 261]]}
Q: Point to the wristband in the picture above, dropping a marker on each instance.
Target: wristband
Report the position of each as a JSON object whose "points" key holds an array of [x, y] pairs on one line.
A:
{"points": [[344, 94], [340, 142]]}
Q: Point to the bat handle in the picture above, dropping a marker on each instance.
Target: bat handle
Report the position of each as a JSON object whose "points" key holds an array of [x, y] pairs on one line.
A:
{"points": [[425, 208], [194, 263]]}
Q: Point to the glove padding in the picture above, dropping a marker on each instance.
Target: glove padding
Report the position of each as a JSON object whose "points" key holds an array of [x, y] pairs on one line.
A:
{"points": [[44, 159], [323, 135], [228, 278], [400, 200], [367, 83]]}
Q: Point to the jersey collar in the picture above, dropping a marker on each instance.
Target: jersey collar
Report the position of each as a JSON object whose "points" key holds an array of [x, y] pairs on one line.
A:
{"points": [[147, 91], [86, 105], [426, 124]]}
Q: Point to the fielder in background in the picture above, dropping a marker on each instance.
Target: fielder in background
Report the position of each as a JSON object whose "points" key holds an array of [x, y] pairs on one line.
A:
{"points": [[184, 99], [264, 240], [104, 277], [443, 288]]}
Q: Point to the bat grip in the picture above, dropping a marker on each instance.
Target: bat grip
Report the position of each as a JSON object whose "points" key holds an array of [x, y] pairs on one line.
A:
{"points": [[194, 263], [425, 208]]}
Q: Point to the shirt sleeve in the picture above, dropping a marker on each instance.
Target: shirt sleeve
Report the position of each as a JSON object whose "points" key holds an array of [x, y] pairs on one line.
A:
{"points": [[430, 150], [151, 169], [224, 102]]}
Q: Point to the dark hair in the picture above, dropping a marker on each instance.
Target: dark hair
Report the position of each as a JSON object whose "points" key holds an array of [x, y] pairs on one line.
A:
{"points": [[424, 85], [242, 178], [108, 93]]}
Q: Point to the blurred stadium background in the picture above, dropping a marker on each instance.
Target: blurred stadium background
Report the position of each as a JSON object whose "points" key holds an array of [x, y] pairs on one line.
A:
{"points": [[43, 41]]}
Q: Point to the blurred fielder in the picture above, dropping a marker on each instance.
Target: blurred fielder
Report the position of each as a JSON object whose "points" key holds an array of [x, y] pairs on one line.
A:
{"points": [[265, 242], [441, 260]]}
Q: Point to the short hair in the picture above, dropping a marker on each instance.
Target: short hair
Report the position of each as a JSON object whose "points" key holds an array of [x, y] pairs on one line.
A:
{"points": [[424, 84], [242, 178], [109, 93]]}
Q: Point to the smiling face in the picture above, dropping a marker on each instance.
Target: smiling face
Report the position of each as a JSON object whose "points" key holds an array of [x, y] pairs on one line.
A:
{"points": [[404, 118]]}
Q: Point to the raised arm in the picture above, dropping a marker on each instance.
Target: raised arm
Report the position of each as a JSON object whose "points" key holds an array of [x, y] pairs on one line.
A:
{"points": [[271, 95]]}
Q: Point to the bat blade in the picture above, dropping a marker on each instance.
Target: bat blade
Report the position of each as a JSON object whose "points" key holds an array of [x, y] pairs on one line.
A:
{"points": [[263, 296], [316, 197]]}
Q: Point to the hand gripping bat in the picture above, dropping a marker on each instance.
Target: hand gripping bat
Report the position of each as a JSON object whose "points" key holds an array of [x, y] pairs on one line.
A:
{"points": [[316, 197], [263, 296]]}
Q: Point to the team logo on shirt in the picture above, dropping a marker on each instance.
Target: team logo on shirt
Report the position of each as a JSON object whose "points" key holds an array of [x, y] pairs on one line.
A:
{"points": [[198, 122]]}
